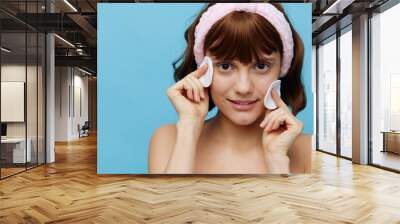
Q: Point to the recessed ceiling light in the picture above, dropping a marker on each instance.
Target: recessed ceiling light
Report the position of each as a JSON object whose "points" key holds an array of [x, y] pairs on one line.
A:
{"points": [[5, 50], [70, 5], [64, 40], [337, 7], [84, 71]]}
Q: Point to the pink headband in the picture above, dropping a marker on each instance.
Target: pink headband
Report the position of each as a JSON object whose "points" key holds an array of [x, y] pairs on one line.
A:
{"points": [[268, 11]]}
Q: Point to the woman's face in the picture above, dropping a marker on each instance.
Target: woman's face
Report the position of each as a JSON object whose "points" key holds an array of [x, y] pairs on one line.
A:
{"points": [[238, 90]]}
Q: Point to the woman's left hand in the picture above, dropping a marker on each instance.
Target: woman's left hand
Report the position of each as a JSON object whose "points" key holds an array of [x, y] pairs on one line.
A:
{"points": [[281, 129]]}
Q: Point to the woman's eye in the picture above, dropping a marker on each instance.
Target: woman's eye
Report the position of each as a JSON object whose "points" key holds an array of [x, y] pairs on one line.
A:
{"points": [[262, 66], [225, 66]]}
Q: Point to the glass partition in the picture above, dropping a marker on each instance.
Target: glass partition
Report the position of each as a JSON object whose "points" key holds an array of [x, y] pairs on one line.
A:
{"points": [[327, 96], [22, 78], [14, 153], [32, 95]]}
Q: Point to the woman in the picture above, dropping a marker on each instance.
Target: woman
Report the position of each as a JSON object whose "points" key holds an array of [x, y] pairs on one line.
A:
{"points": [[251, 45]]}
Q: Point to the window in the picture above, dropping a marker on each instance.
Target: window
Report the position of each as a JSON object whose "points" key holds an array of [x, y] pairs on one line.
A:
{"points": [[385, 89], [327, 96], [346, 92]]}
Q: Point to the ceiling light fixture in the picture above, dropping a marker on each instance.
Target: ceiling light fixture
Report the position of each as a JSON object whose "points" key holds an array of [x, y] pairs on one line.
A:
{"points": [[331, 7], [337, 7], [5, 50], [84, 71], [65, 41], [70, 5]]}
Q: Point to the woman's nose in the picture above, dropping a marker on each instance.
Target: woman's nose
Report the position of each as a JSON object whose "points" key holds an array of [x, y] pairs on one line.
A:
{"points": [[243, 84]]}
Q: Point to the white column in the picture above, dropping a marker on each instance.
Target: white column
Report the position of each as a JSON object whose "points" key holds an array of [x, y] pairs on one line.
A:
{"points": [[50, 100], [50, 92], [360, 90]]}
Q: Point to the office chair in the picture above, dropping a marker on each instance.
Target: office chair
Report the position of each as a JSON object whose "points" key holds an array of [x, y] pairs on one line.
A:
{"points": [[84, 130]]}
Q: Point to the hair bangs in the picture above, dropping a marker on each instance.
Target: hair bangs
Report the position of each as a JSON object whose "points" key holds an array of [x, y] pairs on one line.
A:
{"points": [[242, 36]]}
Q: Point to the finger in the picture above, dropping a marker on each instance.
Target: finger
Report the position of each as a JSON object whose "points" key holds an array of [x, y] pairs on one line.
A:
{"points": [[268, 117], [276, 116], [196, 93], [291, 121], [189, 89], [196, 90], [200, 71], [279, 121], [262, 124], [272, 122], [278, 100], [198, 85], [268, 111], [180, 85]]}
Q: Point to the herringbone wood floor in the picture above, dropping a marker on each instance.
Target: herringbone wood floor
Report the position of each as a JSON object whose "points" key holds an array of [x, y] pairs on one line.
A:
{"points": [[70, 191]]}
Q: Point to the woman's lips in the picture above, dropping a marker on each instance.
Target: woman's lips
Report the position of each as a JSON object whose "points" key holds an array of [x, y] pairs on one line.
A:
{"points": [[243, 105]]}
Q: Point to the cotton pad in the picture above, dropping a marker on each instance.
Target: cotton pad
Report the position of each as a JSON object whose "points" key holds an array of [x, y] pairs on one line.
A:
{"points": [[206, 79], [268, 101]]}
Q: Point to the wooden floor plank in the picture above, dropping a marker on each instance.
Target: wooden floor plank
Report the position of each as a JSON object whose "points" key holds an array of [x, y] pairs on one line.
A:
{"points": [[70, 191]]}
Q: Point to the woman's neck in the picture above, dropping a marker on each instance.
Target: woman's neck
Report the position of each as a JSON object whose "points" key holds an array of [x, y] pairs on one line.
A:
{"points": [[239, 137]]}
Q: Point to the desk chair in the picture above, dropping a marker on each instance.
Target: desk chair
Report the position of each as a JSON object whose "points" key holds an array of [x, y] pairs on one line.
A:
{"points": [[84, 130]]}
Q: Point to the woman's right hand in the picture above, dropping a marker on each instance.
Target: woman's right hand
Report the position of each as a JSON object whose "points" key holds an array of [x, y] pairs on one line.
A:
{"points": [[189, 97]]}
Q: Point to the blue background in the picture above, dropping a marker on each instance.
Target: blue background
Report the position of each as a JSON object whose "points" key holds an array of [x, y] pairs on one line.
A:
{"points": [[137, 44]]}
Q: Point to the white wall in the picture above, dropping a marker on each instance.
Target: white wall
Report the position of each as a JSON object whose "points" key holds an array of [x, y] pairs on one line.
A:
{"points": [[14, 73], [62, 81], [79, 117], [70, 83], [13, 101]]}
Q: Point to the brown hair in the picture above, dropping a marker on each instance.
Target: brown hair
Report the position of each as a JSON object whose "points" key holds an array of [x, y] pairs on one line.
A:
{"points": [[252, 35]]}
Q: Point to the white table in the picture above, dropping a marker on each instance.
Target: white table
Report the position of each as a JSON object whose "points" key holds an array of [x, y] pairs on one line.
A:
{"points": [[19, 149]]}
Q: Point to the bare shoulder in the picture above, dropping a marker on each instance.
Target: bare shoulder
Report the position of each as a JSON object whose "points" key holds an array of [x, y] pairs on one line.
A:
{"points": [[160, 147]]}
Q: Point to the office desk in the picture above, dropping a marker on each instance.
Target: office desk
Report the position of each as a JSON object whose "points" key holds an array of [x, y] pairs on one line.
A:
{"points": [[391, 141], [16, 147]]}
